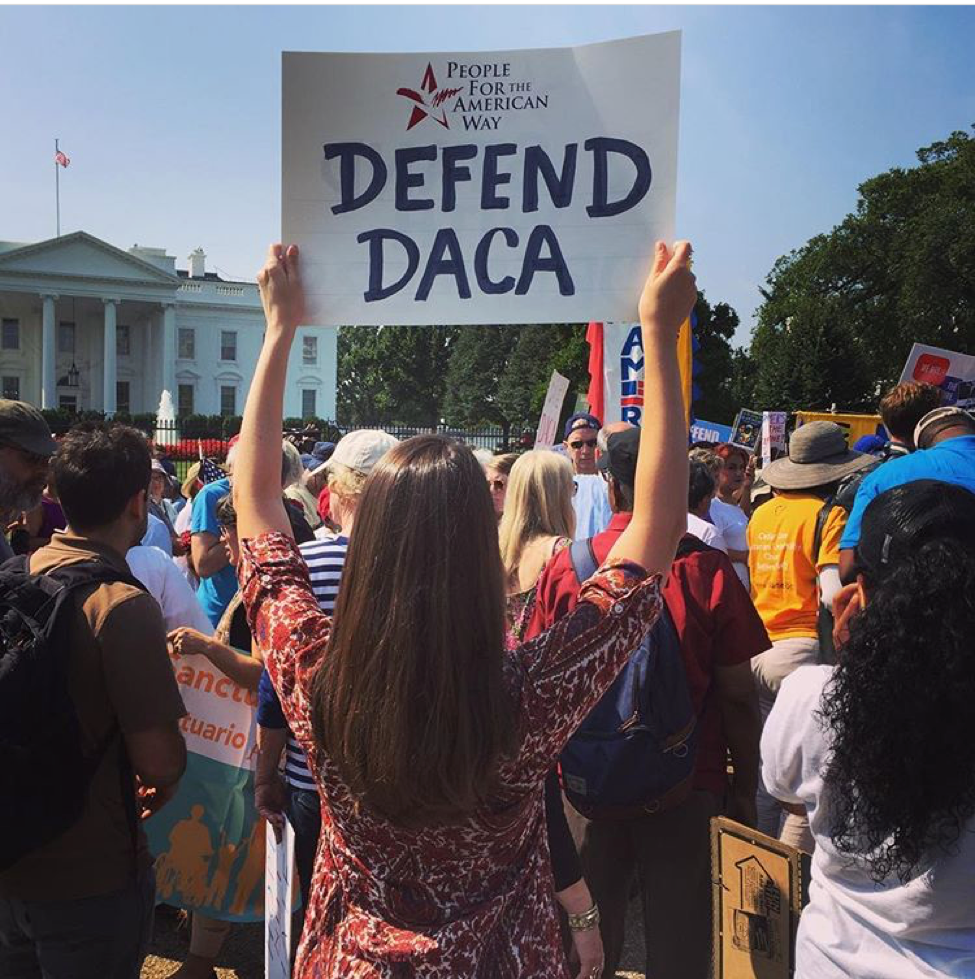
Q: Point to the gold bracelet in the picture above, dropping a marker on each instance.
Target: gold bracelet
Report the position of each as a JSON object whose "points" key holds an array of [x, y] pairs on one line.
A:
{"points": [[585, 921]]}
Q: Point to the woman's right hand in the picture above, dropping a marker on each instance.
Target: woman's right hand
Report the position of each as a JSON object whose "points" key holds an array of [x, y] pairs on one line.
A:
{"points": [[282, 293], [587, 947], [670, 291]]}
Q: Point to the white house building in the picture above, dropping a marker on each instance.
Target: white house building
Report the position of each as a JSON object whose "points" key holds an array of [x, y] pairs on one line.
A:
{"points": [[86, 325]]}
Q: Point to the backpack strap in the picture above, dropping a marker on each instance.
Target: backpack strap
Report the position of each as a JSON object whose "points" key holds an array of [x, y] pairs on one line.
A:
{"points": [[821, 518], [583, 559]]}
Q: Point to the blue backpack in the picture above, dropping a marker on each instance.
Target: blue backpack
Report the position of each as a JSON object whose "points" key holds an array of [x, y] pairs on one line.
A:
{"points": [[635, 752]]}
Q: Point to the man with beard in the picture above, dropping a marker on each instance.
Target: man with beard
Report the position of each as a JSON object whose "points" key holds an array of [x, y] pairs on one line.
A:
{"points": [[26, 447]]}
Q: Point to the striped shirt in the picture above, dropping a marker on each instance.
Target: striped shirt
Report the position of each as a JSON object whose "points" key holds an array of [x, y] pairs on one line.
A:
{"points": [[325, 559]]}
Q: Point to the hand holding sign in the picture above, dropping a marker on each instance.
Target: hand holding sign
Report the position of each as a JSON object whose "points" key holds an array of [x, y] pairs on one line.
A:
{"points": [[282, 293], [669, 293]]}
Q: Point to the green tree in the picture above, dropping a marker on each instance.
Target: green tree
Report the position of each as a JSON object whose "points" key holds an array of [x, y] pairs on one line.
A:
{"points": [[717, 400], [840, 314], [393, 373], [478, 359], [538, 351]]}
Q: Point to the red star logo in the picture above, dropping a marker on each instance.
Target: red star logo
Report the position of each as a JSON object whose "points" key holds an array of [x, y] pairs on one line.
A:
{"points": [[422, 108]]}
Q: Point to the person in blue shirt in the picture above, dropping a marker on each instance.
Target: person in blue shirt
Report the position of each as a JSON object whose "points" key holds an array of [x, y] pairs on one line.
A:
{"points": [[218, 580], [945, 439]]}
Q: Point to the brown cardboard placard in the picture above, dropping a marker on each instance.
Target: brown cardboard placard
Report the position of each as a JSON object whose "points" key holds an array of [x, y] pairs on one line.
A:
{"points": [[758, 890]]}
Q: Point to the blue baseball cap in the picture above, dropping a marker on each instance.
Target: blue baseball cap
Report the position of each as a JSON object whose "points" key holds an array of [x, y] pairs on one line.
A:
{"points": [[581, 419]]}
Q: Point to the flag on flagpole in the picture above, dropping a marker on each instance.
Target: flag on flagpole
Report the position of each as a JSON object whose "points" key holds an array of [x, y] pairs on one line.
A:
{"points": [[60, 157]]}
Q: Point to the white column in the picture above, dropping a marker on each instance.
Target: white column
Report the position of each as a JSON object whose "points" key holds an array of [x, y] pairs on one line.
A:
{"points": [[150, 395], [108, 362], [169, 349], [49, 381]]}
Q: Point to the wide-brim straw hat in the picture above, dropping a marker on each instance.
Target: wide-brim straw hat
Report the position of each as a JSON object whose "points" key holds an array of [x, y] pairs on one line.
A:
{"points": [[818, 454]]}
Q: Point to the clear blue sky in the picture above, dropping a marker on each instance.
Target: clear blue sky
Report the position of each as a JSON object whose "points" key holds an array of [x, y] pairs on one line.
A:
{"points": [[171, 116]]}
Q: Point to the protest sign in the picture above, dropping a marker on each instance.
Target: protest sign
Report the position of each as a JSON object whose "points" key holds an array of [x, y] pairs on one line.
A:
{"points": [[702, 431], [747, 429], [759, 889], [208, 839], [278, 889], [490, 187], [549, 420], [773, 435], [620, 393], [953, 372]]}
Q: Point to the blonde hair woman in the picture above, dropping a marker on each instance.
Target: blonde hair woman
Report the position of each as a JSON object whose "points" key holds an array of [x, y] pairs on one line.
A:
{"points": [[538, 522]]}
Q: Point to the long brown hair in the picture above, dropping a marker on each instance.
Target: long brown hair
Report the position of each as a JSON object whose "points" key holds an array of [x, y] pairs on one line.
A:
{"points": [[410, 703]]}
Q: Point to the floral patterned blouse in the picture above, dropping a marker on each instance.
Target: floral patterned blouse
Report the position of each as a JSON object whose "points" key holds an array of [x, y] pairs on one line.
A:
{"points": [[475, 899]]}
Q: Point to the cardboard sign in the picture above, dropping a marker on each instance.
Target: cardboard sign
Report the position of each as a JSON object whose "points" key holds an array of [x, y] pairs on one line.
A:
{"points": [[278, 890], [773, 434], [758, 894], [489, 187], [747, 429], [953, 372], [702, 431], [545, 435]]}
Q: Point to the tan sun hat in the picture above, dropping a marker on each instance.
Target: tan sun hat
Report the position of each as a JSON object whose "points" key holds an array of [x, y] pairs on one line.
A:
{"points": [[818, 454]]}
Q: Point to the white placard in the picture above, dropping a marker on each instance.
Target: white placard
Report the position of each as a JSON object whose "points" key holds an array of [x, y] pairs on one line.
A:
{"points": [[558, 386], [278, 888], [773, 434], [949, 370], [490, 187]]}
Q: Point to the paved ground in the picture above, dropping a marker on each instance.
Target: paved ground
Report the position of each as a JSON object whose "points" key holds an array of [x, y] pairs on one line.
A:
{"points": [[243, 954]]}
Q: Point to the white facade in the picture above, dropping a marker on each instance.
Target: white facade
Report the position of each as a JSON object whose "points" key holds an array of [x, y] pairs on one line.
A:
{"points": [[86, 325]]}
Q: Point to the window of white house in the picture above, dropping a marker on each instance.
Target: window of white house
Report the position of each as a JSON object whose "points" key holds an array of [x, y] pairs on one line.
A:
{"points": [[11, 334], [11, 388], [187, 344], [122, 402], [228, 400], [123, 339], [185, 400], [308, 403], [309, 350], [65, 338], [68, 401], [228, 344]]}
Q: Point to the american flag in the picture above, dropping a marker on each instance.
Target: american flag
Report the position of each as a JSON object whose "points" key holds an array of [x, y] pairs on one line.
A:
{"points": [[210, 472], [61, 158]]}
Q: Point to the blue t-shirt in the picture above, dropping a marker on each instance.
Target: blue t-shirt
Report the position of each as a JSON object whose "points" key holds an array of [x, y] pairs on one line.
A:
{"points": [[216, 591], [952, 461]]}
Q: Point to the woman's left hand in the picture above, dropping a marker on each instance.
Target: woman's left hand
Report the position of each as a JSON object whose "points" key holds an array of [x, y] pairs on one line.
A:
{"points": [[282, 293], [189, 642]]}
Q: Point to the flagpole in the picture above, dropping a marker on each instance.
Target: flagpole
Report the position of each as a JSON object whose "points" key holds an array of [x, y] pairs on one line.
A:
{"points": [[57, 186]]}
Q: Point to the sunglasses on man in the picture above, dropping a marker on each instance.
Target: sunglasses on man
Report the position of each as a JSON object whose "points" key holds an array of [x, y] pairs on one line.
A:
{"points": [[582, 443]]}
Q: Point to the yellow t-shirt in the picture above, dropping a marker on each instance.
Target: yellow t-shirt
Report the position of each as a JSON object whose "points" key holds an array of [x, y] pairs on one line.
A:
{"points": [[783, 568]]}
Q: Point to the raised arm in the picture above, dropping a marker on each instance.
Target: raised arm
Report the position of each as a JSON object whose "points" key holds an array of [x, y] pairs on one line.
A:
{"points": [[257, 470], [660, 495]]}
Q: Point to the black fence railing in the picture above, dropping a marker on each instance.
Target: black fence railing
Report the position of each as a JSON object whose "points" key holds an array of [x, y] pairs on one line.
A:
{"points": [[184, 440]]}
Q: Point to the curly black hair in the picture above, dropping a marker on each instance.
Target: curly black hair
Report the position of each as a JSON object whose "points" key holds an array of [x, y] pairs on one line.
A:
{"points": [[899, 708]]}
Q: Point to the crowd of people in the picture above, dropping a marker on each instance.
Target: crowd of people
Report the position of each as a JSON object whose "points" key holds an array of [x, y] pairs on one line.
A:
{"points": [[499, 695]]}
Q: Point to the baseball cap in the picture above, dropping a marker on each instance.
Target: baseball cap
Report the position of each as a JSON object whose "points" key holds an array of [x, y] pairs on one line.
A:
{"points": [[619, 459], [308, 461], [361, 450], [323, 451], [23, 425], [935, 422], [581, 419]]}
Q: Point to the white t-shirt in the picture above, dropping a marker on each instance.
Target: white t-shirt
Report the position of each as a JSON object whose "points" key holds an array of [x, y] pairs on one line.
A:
{"points": [[591, 505], [733, 525], [165, 582], [706, 532], [852, 926]]}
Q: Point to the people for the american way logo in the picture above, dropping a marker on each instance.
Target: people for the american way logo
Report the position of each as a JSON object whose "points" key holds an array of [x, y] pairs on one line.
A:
{"points": [[432, 104]]}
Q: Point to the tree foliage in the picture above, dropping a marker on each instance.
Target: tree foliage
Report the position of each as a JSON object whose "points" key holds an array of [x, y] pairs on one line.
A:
{"points": [[393, 373], [840, 314], [717, 400]]}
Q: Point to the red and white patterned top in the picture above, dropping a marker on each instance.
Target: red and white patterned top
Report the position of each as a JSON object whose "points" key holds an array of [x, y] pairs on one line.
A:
{"points": [[473, 900]]}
